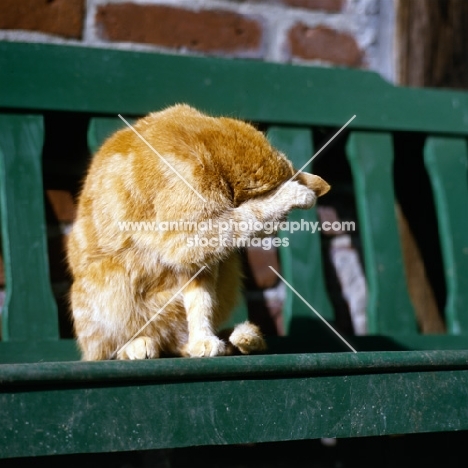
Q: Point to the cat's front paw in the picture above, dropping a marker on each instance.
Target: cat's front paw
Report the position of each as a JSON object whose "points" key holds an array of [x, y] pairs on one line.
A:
{"points": [[295, 195], [140, 348], [207, 346]]}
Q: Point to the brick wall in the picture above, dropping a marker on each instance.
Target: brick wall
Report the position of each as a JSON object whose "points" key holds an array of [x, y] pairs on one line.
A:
{"points": [[337, 32]]}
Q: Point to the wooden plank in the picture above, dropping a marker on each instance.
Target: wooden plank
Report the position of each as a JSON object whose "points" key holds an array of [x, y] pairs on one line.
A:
{"points": [[321, 343], [109, 81], [113, 406], [30, 311], [230, 367], [301, 259], [389, 307], [446, 161], [66, 350], [101, 128], [37, 351], [406, 342], [430, 40]]}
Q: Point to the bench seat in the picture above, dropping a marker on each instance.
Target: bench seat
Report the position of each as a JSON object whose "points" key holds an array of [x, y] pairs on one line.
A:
{"points": [[309, 384]]}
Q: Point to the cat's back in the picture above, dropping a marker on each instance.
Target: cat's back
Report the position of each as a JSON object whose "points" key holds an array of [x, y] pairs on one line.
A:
{"points": [[174, 164], [153, 171]]}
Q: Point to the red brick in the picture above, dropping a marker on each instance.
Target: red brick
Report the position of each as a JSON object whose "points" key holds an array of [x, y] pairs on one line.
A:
{"points": [[332, 6], [260, 261], [204, 31], [60, 17], [62, 204], [323, 43]]}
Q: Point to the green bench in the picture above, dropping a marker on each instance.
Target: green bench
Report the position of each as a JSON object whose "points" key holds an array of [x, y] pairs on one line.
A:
{"points": [[310, 384]]}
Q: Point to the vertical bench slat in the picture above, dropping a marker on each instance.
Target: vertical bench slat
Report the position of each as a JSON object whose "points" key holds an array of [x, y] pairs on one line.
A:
{"points": [[446, 161], [389, 308], [101, 128], [306, 273], [30, 311]]}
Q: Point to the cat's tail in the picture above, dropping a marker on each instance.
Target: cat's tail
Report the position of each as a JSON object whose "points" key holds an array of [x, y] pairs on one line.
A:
{"points": [[247, 338]]}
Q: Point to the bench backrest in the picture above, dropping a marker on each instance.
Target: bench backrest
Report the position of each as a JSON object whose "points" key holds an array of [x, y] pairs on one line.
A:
{"points": [[289, 102]]}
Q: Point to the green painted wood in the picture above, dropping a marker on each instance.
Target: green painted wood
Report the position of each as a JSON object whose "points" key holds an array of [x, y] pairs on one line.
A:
{"points": [[446, 161], [30, 311], [412, 342], [35, 351], [103, 408], [57, 77], [252, 367], [239, 315], [389, 308], [321, 343], [101, 128], [66, 350], [301, 259], [71, 407]]}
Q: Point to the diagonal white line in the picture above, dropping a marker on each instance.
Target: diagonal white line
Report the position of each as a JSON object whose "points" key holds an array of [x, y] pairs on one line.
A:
{"points": [[159, 154], [312, 309], [159, 311], [325, 145], [317, 153]]}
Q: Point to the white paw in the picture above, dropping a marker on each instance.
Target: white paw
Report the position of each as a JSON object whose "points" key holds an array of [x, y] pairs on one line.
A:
{"points": [[247, 338], [295, 195], [139, 348], [206, 346]]}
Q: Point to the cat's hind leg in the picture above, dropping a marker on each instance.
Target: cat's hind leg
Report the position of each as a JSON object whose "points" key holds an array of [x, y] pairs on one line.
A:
{"points": [[103, 309], [247, 338]]}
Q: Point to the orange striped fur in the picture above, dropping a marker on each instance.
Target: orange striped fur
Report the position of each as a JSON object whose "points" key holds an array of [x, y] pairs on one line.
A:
{"points": [[123, 278]]}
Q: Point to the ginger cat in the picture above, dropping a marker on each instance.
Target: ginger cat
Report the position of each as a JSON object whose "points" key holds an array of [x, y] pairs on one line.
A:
{"points": [[139, 294]]}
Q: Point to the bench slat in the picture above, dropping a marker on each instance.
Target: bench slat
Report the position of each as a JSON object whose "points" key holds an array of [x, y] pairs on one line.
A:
{"points": [[36, 351], [389, 308], [101, 128], [301, 260], [75, 407], [253, 367], [106, 81], [30, 310], [109, 406], [446, 161]]}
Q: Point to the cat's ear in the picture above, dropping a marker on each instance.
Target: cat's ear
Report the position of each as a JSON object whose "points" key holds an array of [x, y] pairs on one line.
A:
{"points": [[314, 182]]}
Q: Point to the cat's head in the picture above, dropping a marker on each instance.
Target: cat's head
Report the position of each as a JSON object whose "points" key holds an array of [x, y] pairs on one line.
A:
{"points": [[258, 168], [224, 154], [250, 165]]}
